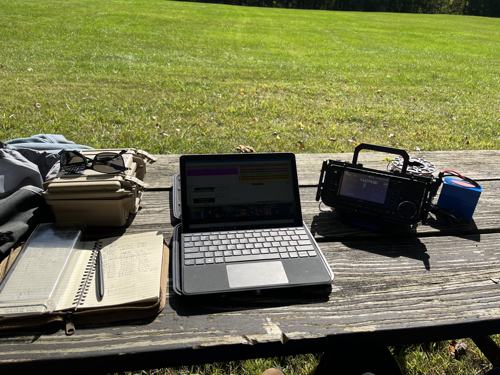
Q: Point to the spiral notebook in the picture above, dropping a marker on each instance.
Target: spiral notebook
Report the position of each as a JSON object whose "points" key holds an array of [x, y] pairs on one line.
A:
{"points": [[132, 266]]}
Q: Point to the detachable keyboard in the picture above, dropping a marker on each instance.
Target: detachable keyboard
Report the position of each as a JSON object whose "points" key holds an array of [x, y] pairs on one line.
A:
{"points": [[244, 246]]}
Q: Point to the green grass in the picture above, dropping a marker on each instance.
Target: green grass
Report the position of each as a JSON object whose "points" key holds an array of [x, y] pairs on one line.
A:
{"points": [[172, 77], [175, 77]]}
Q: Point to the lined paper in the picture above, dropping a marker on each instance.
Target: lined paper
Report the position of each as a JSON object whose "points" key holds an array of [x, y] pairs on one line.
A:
{"points": [[132, 272]]}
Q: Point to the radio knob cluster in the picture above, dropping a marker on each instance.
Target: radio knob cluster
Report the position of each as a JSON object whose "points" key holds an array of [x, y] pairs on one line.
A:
{"points": [[407, 210]]}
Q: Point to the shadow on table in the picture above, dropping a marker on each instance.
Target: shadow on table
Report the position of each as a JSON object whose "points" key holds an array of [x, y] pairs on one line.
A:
{"points": [[411, 248], [331, 225], [399, 242], [239, 301], [467, 230]]}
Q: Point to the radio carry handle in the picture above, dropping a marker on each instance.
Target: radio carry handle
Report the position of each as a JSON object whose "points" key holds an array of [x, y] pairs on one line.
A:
{"points": [[391, 150]]}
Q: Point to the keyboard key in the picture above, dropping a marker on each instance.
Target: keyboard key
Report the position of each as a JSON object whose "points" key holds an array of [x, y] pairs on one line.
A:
{"points": [[191, 250], [293, 254], [312, 253], [283, 250], [200, 262], [305, 248], [255, 251], [273, 250], [209, 260], [237, 252], [219, 260], [193, 255], [218, 254], [303, 254], [246, 252], [228, 253], [284, 255], [189, 262]]}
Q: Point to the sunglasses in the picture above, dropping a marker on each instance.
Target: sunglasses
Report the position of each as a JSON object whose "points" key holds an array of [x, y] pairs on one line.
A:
{"points": [[104, 162]]}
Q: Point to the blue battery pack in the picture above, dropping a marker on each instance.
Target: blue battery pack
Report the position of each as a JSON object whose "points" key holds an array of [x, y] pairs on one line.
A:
{"points": [[459, 195]]}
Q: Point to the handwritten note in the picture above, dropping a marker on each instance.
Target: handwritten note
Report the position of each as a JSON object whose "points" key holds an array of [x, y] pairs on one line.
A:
{"points": [[132, 272]]}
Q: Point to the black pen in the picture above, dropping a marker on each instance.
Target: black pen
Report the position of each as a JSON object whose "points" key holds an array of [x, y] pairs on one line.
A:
{"points": [[100, 275]]}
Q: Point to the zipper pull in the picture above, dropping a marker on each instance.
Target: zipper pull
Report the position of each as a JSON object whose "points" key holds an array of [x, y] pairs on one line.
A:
{"points": [[69, 325]]}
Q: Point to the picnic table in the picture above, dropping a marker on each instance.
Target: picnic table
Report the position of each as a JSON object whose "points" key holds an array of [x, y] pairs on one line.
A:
{"points": [[430, 283]]}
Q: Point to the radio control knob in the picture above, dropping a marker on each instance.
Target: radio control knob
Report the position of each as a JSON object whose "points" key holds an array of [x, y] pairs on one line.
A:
{"points": [[407, 210]]}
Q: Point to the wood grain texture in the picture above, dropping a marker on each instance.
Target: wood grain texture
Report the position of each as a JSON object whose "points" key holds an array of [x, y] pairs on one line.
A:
{"points": [[483, 165], [383, 290], [412, 285]]}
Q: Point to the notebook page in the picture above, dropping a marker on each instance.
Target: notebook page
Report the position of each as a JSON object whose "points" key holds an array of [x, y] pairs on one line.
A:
{"points": [[132, 270]]}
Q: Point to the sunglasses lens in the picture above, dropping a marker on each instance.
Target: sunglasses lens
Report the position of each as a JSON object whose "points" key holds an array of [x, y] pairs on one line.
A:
{"points": [[109, 162], [72, 162]]}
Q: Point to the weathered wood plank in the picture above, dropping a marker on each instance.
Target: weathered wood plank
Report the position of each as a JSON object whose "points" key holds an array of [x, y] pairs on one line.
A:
{"points": [[386, 290], [325, 225], [484, 165]]}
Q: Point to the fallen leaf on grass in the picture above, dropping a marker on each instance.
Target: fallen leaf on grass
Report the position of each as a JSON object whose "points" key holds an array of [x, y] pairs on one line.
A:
{"points": [[37, 105], [154, 117], [458, 349], [178, 131], [255, 119], [157, 126], [391, 135], [332, 139]]}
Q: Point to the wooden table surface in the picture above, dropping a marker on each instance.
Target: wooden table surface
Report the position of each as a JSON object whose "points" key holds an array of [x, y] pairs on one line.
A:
{"points": [[426, 284]]}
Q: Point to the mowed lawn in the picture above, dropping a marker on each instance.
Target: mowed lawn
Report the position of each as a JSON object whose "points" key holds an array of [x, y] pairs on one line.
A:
{"points": [[176, 77]]}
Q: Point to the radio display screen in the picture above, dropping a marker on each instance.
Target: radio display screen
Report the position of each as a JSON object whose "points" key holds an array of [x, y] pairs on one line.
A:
{"points": [[365, 187]]}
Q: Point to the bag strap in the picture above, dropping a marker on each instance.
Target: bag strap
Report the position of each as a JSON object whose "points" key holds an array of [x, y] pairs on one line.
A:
{"points": [[141, 184]]}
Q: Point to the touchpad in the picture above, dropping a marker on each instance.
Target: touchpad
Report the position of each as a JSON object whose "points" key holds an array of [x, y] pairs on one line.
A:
{"points": [[256, 274]]}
